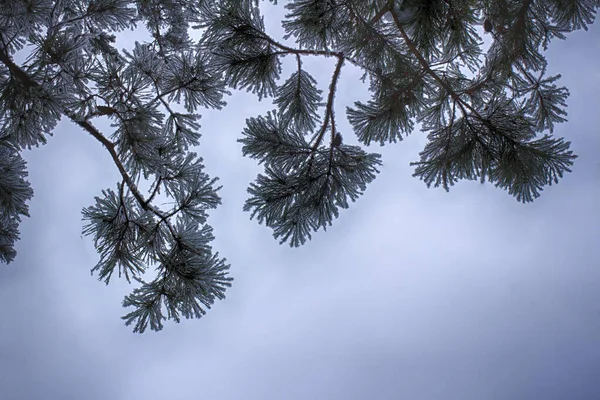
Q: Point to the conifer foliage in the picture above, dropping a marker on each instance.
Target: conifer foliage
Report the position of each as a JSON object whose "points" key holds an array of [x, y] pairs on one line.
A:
{"points": [[488, 112]]}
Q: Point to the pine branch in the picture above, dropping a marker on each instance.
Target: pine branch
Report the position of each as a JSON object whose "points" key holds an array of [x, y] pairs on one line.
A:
{"points": [[155, 190], [414, 58], [463, 104], [519, 27], [379, 14], [24, 78], [332, 88], [328, 112]]}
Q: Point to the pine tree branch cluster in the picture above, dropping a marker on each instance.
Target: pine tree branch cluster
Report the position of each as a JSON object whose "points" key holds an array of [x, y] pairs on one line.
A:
{"points": [[488, 114], [75, 71]]}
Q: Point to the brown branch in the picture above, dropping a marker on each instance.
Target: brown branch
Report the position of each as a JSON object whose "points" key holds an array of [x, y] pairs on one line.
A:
{"points": [[531, 80], [380, 14], [521, 17], [328, 111], [455, 96], [290, 50], [25, 79], [16, 71], [155, 191], [413, 49], [330, 97]]}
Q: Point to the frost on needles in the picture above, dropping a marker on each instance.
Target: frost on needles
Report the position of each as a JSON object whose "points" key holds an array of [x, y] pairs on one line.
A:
{"points": [[488, 112]]}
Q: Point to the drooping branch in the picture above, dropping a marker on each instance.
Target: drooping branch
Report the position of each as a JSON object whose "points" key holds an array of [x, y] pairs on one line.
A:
{"points": [[427, 68], [28, 81]]}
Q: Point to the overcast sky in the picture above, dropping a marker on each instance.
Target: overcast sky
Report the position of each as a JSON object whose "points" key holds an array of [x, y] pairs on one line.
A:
{"points": [[413, 293]]}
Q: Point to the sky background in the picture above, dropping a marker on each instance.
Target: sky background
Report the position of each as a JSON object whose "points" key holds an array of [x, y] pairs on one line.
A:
{"points": [[413, 293]]}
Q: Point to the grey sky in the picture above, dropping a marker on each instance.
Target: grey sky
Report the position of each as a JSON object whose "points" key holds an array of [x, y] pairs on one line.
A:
{"points": [[413, 293]]}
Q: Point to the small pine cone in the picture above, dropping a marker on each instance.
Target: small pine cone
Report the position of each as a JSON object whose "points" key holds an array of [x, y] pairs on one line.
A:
{"points": [[103, 110], [337, 140], [487, 25]]}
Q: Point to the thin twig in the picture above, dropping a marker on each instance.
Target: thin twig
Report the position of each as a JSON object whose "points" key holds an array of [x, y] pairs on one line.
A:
{"points": [[328, 111]]}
